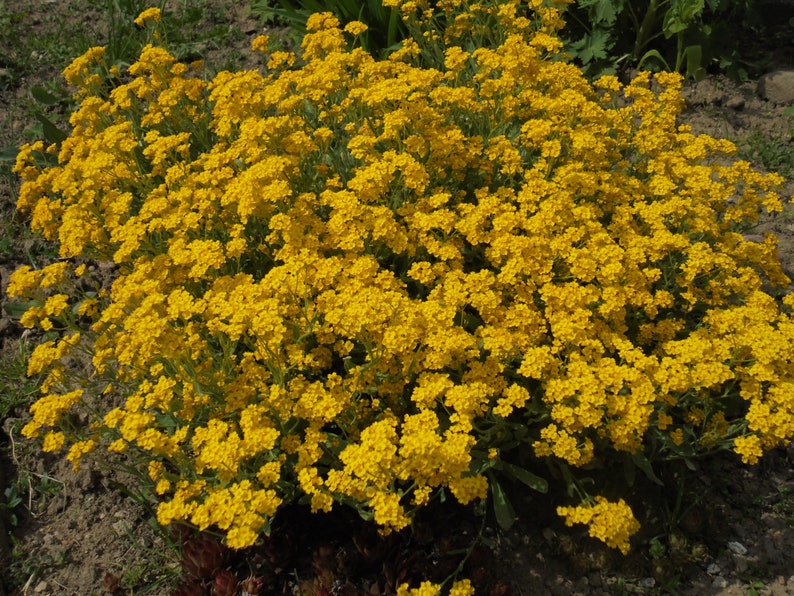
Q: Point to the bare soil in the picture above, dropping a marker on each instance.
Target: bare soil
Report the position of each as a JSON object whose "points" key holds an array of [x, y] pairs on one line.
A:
{"points": [[83, 535]]}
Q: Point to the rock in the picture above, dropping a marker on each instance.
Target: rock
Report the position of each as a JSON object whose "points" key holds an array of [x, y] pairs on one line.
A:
{"points": [[120, 527], [41, 587], [741, 562], [735, 102], [737, 548], [719, 583], [647, 582], [87, 479], [777, 87], [595, 579]]}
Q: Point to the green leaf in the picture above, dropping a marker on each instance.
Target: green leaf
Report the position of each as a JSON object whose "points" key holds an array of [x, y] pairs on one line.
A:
{"points": [[16, 308], [9, 154], [605, 11], [689, 9], [392, 37], [505, 514], [166, 420], [52, 133], [653, 54], [673, 27], [12, 498], [526, 477], [44, 97], [694, 58], [643, 464], [593, 46], [680, 16]]}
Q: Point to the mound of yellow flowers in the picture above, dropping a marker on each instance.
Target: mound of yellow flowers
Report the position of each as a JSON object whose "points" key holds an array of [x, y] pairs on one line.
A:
{"points": [[366, 282]]}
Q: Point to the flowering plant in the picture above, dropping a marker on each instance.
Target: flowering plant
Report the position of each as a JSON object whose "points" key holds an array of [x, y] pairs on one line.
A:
{"points": [[361, 281]]}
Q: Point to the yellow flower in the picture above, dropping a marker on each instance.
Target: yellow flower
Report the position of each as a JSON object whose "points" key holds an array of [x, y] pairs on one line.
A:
{"points": [[150, 14], [749, 447], [462, 587], [56, 304], [78, 450], [260, 43], [426, 588], [612, 523], [355, 28], [53, 441]]}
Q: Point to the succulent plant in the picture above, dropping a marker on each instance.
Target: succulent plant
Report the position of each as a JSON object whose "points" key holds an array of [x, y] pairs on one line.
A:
{"points": [[225, 583], [203, 557], [252, 586]]}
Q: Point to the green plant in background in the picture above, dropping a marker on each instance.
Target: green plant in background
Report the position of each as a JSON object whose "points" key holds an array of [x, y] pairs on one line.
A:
{"points": [[774, 151], [178, 27], [9, 503], [124, 41], [687, 36], [385, 28]]}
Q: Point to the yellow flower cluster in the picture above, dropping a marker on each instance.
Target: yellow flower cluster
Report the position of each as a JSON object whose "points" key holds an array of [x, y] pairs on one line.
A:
{"points": [[612, 523], [459, 588], [347, 277], [150, 14]]}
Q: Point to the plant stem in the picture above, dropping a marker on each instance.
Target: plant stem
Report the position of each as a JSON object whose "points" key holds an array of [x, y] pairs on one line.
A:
{"points": [[646, 28]]}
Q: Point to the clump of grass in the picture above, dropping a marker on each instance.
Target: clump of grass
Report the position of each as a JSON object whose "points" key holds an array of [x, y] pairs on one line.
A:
{"points": [[775, 152]]}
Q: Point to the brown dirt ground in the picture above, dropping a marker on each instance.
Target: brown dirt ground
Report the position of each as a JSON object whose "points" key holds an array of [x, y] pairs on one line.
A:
{"points": [[737, 537]]}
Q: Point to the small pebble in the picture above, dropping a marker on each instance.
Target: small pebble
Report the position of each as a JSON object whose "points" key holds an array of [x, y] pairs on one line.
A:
{"points": [[719, 583], [647, 582], [40, 587], [737, 548], [713, 569]]}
